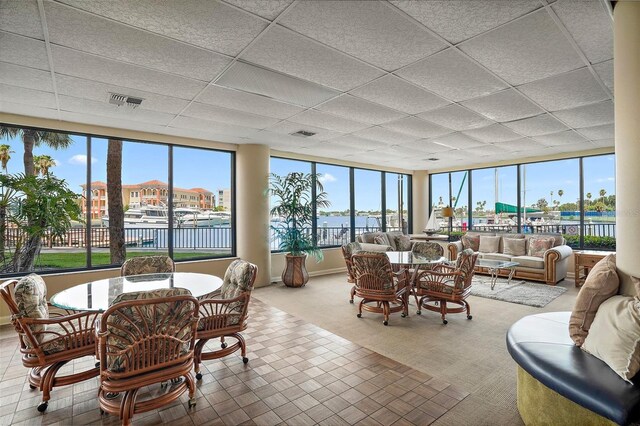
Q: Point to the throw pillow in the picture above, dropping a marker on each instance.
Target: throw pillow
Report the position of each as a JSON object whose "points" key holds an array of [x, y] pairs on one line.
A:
{"points": [[382, 239], [403, 243], [636, 284], [471, 241], [615, 335], [515, 246], [489, 244], [31, 297], [537, 246], [368, 237], [601, 283]]}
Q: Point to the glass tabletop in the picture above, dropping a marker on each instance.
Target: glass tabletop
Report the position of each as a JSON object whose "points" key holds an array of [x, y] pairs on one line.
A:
{"points": [[98, 295], [496, 264], [411, 258]]}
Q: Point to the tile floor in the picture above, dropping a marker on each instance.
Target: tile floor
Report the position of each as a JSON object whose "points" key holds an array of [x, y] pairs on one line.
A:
{"points": [[298, 374]]}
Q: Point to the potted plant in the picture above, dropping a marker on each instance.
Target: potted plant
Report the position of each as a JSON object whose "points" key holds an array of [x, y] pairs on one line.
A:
{"points": [[293, 198]]}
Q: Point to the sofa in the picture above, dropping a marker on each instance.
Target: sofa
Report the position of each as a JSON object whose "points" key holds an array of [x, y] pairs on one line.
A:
{"points": [[370, 241], [551, 267]]}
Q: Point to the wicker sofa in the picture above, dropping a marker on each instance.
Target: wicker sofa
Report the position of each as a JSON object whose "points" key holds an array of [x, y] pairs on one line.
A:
{"points": [[550, 268]]}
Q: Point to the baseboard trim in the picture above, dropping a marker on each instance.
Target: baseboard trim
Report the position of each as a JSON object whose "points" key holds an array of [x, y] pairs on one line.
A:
{"points": [[4, 320], [316, 273]]}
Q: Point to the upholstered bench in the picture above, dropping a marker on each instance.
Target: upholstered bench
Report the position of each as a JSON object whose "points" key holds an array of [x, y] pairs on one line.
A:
{"points": [[558, 383]]}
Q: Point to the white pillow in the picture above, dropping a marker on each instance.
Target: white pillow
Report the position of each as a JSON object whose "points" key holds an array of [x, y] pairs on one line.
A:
{"points": [[489, 244]]}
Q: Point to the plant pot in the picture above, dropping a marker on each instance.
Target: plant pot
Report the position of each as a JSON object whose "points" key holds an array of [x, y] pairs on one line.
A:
{"points": [[295, 272]]}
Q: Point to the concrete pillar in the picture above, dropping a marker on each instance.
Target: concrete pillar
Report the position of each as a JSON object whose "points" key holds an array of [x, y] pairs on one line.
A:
{"points": [[626, 60], [252, 209], [420, 182]]}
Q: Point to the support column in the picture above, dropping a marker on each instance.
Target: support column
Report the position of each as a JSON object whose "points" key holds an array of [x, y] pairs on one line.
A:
{"points": [[627, 138], [252, 209], [420, 182]]}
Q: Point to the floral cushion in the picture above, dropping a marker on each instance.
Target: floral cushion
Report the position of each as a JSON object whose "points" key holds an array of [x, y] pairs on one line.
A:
{"points": [[31, 297], [377, 266], [147, 265], [351, 248], [538, 246], [403, 242], [471, 241], [428, 249], [382, 239]]}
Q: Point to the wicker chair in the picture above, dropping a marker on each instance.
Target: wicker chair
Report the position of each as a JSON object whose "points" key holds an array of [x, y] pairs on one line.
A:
{"points": [[226, 316], [377, 283], [427, 249], [147, 265], [48, 340], [347, 251], [144, 338], [446, 284]]}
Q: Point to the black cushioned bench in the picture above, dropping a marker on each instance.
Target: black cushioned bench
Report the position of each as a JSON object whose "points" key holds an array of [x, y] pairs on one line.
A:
{"points": [[558, 383]]}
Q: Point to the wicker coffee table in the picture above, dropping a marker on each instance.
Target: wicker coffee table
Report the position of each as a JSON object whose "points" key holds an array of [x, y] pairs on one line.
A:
{"points": [[494, 267]]}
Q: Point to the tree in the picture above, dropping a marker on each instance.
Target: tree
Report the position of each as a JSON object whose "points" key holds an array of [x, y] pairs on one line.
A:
{"points": [[560, 193], [32, 138], [480, 206], [42, 164], [5, 156], [603, 193], [588, 198], [117, 248], [542, 204]]}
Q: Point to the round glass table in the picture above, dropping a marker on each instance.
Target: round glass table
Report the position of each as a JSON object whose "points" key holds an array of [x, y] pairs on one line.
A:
{"points": [[408, 258], [98, 295]]}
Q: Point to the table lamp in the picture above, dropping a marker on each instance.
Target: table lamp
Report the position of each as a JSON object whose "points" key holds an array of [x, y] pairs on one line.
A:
{"points": [[448, 213]]}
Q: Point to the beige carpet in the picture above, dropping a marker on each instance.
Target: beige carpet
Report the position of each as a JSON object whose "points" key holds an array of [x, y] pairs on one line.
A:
{"points": [[469, 354]]}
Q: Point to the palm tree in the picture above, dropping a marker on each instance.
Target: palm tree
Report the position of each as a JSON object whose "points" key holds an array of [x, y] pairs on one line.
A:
{"points": [[5, 155], [117, 247], [603, 193], [42, 164], [32, 138]]}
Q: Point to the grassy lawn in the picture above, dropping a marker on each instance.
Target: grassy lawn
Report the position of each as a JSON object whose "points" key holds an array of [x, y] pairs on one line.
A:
{"points": [[68, 260]]}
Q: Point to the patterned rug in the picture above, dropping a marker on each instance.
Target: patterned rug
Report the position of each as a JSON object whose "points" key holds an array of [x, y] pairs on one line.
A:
{"points": [[518, 291]]}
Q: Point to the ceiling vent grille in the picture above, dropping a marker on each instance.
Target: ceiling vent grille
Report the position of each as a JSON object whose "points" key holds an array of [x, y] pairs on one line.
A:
{"points": [[432, 159], [303, 133], [120, 100]]}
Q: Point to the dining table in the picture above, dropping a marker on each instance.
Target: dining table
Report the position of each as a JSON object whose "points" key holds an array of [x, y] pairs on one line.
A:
{"points": [[411, 260]]}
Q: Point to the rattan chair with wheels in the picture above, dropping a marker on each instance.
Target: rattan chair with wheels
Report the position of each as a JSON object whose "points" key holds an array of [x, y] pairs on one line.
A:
{"points": [[144, 338], [48, 340], [347, 251], [381, 289], [225, 316], [147, 265], [445, 285]]}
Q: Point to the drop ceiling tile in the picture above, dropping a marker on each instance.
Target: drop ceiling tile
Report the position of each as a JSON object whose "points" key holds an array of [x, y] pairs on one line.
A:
{"points": [[231, 116], [575, 147], [267, 9], [493, 151], [590, 26], [605, 131], [427, 146], [282, 140], [452, 75], [564, 91], [252, 79], [395, 93], [540, 125], [357, 109], [29, 78], [588, 115], [213, 126], [604, 143], [519, 145], [492, 134], [333, 150], [28, 110], [289, 127], [354, 27], [381, 134], [21, 17], [416, 127], [460, 20], [328, 121], [287, 52], [248, 102], [89, 67], [457, 140], [398, 151], [23, 51], [456, 117], [209, 24], [92, 34], [89, 107], [507, 105], [115, 121], [21, 95], [562, 138], [360, 143], [525, 50], [605, 71]]}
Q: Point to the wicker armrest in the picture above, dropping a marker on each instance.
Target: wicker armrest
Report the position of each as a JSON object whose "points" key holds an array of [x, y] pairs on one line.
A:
{"points": [[221, 313], [437, 281]]}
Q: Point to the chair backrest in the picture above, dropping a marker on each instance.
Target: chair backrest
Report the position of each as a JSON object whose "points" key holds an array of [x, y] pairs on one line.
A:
{"points": [[347, 251], [428, 249], [27, 298], [147, 265], [147, 330], [465, 263], [372, 272]]}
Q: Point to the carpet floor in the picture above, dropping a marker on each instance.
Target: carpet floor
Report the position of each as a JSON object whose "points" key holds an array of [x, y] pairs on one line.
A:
{"points": [[469, 354], [516, 291]]}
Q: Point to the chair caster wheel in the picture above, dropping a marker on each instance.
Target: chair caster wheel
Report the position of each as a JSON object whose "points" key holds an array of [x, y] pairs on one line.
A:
{"points": [[199, 376], [32, 387], [469, 317], [351, 301], [245, 359], [445, 322], [385, 322], [192, 402], [43, 406], [98, 364], [359, 315], [403, 315], [418, 312], [223, 345], [102, 412]]}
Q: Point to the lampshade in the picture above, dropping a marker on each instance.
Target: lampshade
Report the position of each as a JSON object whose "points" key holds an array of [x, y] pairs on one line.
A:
{"points": [[446, 212]]}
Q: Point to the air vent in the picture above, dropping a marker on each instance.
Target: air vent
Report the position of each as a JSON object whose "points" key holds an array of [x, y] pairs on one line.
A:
{"points": [[120, 100], [303, 133], [432, 159]]}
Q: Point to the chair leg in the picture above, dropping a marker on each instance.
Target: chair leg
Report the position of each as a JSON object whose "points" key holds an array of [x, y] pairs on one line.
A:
{"points": [[443, 311], [360, 308], [127, 408], [47, 382], [197, 357], [192, 389], [385, 312], [418, 304], [352, 293], [223, 344], [243, 347], [468, 306]]}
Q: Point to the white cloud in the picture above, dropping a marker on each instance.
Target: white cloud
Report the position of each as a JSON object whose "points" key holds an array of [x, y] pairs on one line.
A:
{"points": [[327, 177], [81, 159]]}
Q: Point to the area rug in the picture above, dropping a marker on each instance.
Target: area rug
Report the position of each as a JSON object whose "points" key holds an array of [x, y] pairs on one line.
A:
{"points": [[518, 291]]}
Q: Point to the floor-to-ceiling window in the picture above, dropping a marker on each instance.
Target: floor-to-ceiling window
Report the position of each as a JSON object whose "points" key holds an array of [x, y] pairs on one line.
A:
{"points": [[334, 221], [367, 190], [459, 199], [495, 198], [599, 200]]}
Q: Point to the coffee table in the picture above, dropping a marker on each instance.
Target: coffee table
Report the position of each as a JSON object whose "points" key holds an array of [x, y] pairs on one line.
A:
{"points": [[494, 267]]}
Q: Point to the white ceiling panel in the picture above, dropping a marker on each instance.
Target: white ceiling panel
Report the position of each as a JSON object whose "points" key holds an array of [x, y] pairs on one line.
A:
{"points": [[30, 78], [395, 93], [289, 127], [212, 126], [387, 136], [452, 75], [575, 147], [282, 140], [492, 134], [457, 140], [21, 17], [525, 50], [590, 26], [248, 102], [360, 143], [24, 51], [493, 151], [330, 149], [90, 67], [507, 105], [524, 144], [357, 109], [252, 79], [456, 117], [427, 146], [328, 121], [562, 138], [111, 121], [416, 127], [460, 20], [230, 116], [564, 91], [82, 31], [588, 115], [28, 110], [540, 125], [604, 143], [68, 103], [285, 51], [606, 131], [267, 9], [605, 71], [209, 24], [355, 26], [20, 95]]}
